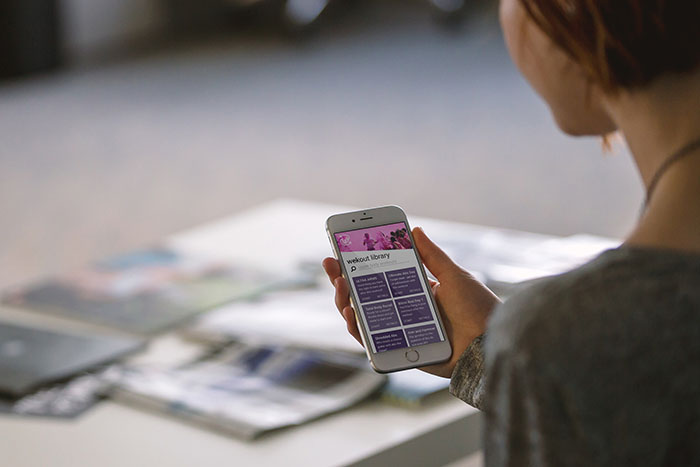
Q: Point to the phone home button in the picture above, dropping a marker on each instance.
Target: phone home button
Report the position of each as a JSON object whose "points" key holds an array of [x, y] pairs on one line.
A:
{"points": [[412, 356]]}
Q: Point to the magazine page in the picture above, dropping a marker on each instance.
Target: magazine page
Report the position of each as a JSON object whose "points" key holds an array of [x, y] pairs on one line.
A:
{"points": [[145, 291], [303, 318], [248, 390]]}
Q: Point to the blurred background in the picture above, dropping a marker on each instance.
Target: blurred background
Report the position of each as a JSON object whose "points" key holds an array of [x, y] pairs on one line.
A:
{"points": [[125, 121], [122, 122]]}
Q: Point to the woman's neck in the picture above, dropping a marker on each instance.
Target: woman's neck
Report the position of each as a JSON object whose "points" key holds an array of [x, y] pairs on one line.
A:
{"points": [[657, 121]]}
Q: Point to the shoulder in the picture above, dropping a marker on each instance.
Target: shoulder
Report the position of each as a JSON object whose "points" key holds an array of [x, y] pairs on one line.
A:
{"points": [[553, 302], [591, 305]]}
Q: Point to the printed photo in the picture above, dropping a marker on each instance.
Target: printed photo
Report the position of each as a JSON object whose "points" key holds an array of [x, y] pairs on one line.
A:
{"points": [[385, 237]]}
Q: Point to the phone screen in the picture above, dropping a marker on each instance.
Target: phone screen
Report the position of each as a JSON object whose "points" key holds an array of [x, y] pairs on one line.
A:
{"points": [[384, 274]]}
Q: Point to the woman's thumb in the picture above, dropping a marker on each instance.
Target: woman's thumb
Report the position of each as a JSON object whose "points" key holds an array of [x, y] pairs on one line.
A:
{"points": [[436, 260]]}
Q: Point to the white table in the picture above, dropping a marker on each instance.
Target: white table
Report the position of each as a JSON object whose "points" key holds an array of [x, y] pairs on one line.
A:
{"points": [[371, 433]]}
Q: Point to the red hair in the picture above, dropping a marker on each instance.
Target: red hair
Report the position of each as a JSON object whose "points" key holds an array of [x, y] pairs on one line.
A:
{"points": [[623, 43]]}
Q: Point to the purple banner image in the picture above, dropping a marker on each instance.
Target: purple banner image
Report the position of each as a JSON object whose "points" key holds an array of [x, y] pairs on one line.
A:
{"points": [[414, 310], [371, 287], [381, 315], [404, 282], [385, 237], [389, 340], [421, 335]]}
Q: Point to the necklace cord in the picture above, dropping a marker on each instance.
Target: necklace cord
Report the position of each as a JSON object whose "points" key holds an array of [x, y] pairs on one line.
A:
{"points": [[675, 157]]}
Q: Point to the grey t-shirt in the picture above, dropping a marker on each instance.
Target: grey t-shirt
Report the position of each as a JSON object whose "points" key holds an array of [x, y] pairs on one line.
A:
{"points": [[597, 366]]}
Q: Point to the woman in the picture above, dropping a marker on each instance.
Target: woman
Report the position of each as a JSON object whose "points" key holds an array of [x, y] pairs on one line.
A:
{"points": [[601, 365]]}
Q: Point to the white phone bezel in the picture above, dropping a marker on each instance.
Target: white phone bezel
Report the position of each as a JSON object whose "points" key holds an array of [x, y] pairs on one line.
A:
{"points": [[390, 360]]}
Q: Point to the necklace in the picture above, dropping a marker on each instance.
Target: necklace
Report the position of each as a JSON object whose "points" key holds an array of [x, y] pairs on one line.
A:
{"points": [[675, 157]]}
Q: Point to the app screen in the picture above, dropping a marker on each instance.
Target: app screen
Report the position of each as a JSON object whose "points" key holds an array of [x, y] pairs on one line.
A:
{"points": [[385, 277]]}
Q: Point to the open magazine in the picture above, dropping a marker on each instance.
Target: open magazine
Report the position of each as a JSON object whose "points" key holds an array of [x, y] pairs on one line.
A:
{"points": [[300, 318], [503, 258], [146, 291], [247, 390]]}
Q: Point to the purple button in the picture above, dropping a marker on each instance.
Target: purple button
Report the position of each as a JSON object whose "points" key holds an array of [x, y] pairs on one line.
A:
{"points": [[421, 335], [381, 315], [389, 340], [371, 287], [414, 309], [404, 282]]}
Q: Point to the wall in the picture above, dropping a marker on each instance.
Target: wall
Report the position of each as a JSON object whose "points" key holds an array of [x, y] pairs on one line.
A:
{"points": [[98, 28]]}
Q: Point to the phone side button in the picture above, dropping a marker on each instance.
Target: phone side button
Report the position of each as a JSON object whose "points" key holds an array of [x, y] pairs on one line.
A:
{"points": [[412, 356]]}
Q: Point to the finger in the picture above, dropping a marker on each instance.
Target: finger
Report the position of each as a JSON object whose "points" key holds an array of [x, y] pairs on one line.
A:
{"points": [[436, 260], [433, 285], [342, 294], [349, 316], [332, 268]]}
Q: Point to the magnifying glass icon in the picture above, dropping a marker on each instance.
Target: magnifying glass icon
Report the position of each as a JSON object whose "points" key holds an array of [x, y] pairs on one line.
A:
{"points": [[353, 268]]}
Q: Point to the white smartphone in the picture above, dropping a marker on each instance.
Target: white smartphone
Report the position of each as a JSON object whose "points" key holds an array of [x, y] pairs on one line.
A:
{"points": [[394, 306]]}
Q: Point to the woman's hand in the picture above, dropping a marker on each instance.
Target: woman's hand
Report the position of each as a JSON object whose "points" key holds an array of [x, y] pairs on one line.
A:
{"points": [[465, 303]]}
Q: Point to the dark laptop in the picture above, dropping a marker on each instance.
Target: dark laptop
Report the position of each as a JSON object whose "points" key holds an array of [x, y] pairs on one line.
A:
{"points": [[31, 357]]}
